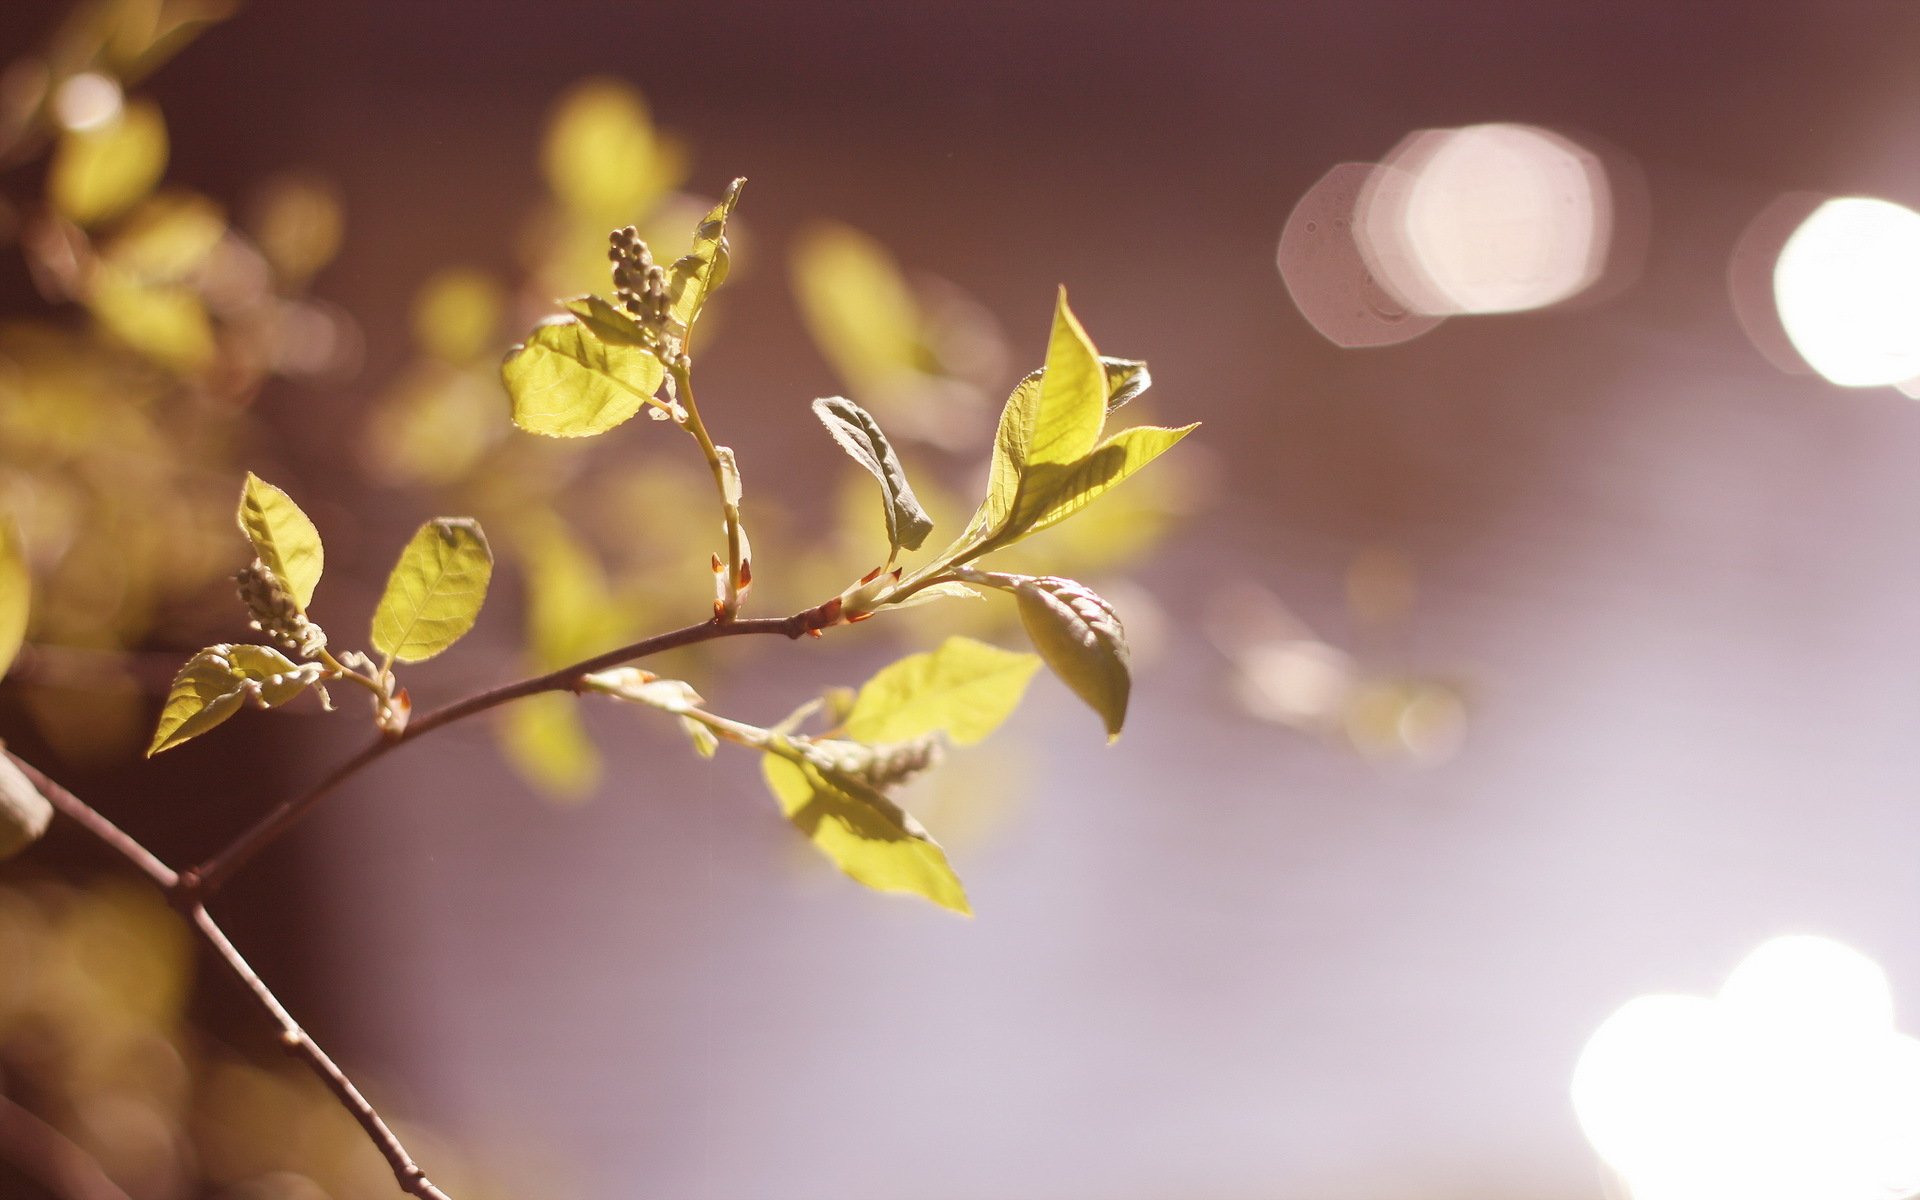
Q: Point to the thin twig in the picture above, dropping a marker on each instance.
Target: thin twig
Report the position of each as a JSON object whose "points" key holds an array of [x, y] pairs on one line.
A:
{"points": [[82, 814], [202, 881], [52, 1157], [406, 1172]]}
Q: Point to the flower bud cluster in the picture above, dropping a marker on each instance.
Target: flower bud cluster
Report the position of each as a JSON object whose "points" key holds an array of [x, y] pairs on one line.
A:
{"points": [[276, 614]]}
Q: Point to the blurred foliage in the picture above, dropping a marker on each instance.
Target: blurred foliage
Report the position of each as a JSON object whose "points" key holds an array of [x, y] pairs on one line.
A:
{"points": [[95, 1040]]}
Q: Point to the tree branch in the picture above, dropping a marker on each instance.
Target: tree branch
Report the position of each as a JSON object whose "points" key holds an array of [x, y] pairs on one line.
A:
{"points": [[202, 881], [185, 898], [406, 1172]]}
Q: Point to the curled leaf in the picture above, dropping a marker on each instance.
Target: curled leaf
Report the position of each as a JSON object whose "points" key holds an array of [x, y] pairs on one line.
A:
{"points": [[702, 270], [859, 435], [213, 684], [1126, 378], [284, 539], [1081, 638], [24, 812]]}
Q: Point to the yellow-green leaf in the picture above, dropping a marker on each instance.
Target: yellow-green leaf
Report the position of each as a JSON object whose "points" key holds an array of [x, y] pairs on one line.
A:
{"points": [[573, 378], [168, 237], [99, 173], [278, 678], [546, 742], [165, 322], [1080, 636], [702, 270], [965, 689], [857, 306], [435, 591], [866, 835], [283, 538], [456, 314], [1052, 493], [24, 812], [16, 588], [1071, 407]]}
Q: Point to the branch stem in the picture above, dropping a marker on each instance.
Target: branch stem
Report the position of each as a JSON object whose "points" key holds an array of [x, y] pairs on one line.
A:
{"points": [[729, 511], [208, 877]]}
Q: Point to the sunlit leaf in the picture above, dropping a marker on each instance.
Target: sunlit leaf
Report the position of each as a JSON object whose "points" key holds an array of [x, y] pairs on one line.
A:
{"points": [[602, 156], [168, 237], [859, 435], [938, 591], [574, 378], [283, 538], [964, 689], [99, 173], [1051, 493], [546, 742], [1071, 407], [702, 270], [24, 812], [866, 835], [214, 682], [165, 322], [456, 313], [435, 591], [16, 587], [1080, 636]]}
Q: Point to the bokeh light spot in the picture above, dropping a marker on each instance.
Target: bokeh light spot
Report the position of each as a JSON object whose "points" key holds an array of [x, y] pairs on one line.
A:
{"points": [[89, 100], [1847, 285], [1321, 263]]}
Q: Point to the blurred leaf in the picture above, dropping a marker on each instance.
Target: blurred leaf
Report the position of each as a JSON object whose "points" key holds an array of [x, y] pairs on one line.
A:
{"points": [[866, 835], [210, 687], [938, 591], [545, 740], [164, 322], [704, 743], [1080, 636], [571, 612], [456, 314], [97, 174], [964, 689], [1052, 493], [298, 224], [602, 156], [857, 306], [283, 538], [574, 377], [167, 238], [435, 591], [24, 812], [701, 271], [859, 435], [434, 426], [16, 587]]}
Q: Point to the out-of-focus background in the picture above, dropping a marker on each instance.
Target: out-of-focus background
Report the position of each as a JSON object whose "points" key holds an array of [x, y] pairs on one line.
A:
{"points": [[1486, 679]]}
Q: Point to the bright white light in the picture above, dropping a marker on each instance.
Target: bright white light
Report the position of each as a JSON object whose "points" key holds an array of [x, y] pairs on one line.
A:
{"points": [[1848, 289], [87, 101], [1791, 1085], [1490, 218]]}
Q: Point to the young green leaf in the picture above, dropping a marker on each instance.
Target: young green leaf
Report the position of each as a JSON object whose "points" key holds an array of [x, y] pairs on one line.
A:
{"points": [[16, 587], [1071, 407], [1080, 636], [643, 687], [214, 682], [866, 835], [435, 591], [701, 271], [581, 374], [284, 540], [965, 689], [24, 812], [859, 435], [1051, 493]]}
